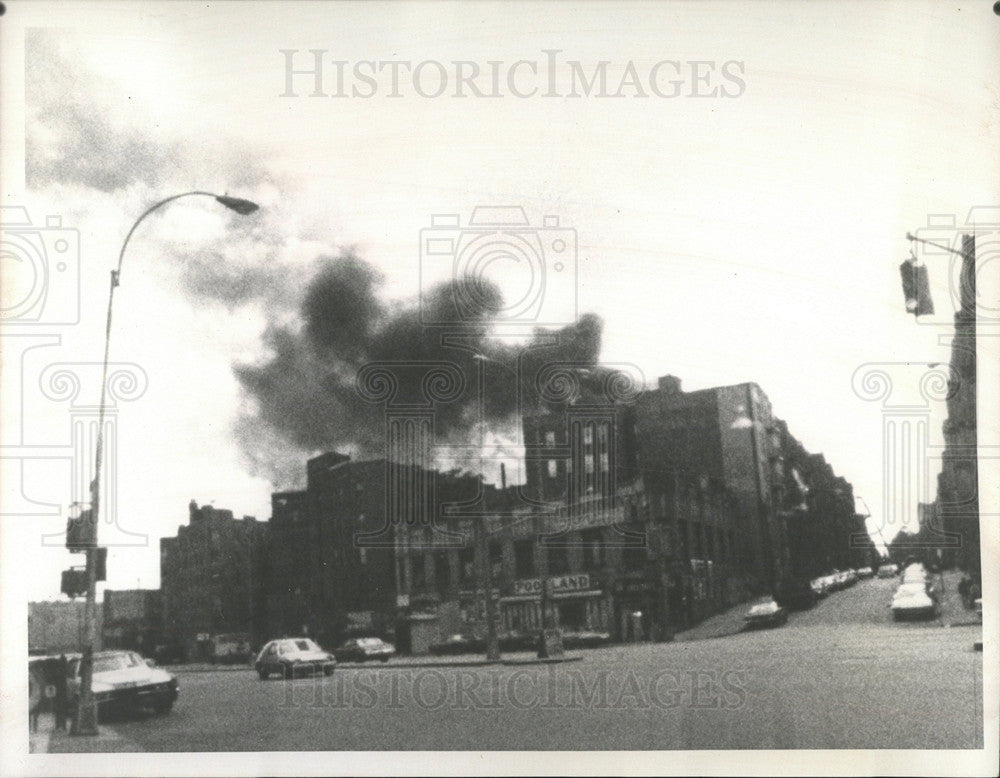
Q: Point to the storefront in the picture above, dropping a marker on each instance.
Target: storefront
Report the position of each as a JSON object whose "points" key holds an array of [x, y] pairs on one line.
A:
{"points": [[575, 603]]}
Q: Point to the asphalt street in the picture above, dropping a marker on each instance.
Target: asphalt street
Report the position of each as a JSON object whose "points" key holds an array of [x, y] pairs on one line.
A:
{"points": [[842, 675]]}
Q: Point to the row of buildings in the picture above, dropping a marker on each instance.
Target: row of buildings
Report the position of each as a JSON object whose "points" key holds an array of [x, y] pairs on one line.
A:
{"points": [[640, 515]]}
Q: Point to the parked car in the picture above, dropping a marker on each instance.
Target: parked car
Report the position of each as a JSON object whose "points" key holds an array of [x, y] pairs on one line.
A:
{"points": [[458, 644], [865, 572], [289, 657], [888, 571], [913, 601], [796, 595], [766, 613], [363, 649], [585, 639], [124, 681], [820, 586]]}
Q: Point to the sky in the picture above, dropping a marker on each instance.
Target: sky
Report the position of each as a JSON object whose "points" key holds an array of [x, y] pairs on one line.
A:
{"points": [[754, 235]]}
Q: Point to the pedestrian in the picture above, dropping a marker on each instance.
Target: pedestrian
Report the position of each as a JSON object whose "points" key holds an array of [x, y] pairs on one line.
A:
{"points": [[963, 589], [35, 685], [61, 699]]}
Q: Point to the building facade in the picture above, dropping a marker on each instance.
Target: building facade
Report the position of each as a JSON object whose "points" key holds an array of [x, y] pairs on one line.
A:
{"points": [[57, 627], [133, 619], [211, 580]]}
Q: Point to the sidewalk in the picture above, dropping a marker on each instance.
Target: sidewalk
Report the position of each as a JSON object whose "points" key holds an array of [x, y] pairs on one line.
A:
{"points": [[728, 622]]}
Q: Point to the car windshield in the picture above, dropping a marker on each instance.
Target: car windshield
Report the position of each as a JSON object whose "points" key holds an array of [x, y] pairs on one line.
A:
{"points": [[120, 661]]}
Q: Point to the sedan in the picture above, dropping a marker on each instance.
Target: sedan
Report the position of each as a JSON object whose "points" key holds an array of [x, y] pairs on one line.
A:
{"points": [[123, 680], [289, 657], [888, 571], [363, 649], [458, 644], [766, 613], [913, 601]]}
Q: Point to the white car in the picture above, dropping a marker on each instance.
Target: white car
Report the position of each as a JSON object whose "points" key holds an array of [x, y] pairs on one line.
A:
{"points": [[123, 679], [289, 657], [766, 613], [913, 601]]}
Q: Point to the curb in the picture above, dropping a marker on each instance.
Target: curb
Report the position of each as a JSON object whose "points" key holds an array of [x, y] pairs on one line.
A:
{"points": [[403, 665]]}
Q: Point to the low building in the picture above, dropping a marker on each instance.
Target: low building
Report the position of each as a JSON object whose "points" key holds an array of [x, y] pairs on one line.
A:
{"points": [[133, 620], [57, 627]]}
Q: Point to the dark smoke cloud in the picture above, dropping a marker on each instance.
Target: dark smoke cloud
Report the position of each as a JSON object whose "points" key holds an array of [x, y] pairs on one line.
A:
{"points": [[305, 391]]}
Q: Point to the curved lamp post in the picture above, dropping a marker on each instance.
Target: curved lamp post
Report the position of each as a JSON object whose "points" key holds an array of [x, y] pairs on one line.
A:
{"points": [[85, 722]]}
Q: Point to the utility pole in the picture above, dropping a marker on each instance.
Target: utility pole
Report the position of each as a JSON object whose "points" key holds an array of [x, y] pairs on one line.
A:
{"points": [[486, 581]]}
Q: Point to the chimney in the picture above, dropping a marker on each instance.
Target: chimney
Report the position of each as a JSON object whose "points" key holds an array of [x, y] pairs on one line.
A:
{"points": [[669, 384]]}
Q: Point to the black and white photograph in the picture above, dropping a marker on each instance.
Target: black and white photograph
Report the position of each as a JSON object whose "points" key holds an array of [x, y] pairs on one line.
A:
{"points": [[488, 388]]}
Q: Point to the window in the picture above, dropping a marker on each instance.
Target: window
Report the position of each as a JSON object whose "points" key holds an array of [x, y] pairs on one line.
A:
{"points": [[553, 468], [442, 570], [605, 465], [524, 558], [593, 548], [496, 560], [558, 560], [588, 435], [634, 556], [588, 464], [550, 439], [418, 571], [467, 564]]}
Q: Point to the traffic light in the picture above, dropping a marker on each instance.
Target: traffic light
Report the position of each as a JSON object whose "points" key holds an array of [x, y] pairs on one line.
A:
{"points": [[80, 532], [916, 288], [74, 582], [101, 563]]}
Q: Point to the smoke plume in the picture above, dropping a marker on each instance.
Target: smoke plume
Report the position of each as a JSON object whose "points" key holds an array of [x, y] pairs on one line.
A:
{"points": [[309, 390]]}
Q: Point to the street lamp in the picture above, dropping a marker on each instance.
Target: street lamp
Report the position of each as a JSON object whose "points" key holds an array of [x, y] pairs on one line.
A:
{"points": [[85, 722]]}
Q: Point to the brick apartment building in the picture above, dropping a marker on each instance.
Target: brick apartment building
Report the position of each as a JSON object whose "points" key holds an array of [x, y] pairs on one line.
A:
{"points": [[211, 580]]}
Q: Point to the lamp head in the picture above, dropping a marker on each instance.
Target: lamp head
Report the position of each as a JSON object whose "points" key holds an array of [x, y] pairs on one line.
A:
{"points": [[238, 204]]}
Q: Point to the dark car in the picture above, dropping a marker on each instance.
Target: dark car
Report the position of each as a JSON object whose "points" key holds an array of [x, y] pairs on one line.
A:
{"points": [[289, 657], [796, 595], [363, 649], [459, 644]]}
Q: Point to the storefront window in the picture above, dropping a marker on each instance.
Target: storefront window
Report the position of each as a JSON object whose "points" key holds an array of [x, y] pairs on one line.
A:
{"points": [[573, 615]]}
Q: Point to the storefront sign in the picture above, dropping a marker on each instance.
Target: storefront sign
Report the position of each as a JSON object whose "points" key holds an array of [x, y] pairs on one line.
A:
{"points": [[576, 582]]}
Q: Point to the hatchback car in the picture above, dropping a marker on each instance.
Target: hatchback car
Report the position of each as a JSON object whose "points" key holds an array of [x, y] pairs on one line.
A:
{"points": [[289, 657], [123, 680], [363, 649]]}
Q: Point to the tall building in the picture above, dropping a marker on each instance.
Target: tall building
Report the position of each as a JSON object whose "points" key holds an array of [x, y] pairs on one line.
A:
{"points": [[725, 433], [210, 578], [958, 482]]}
